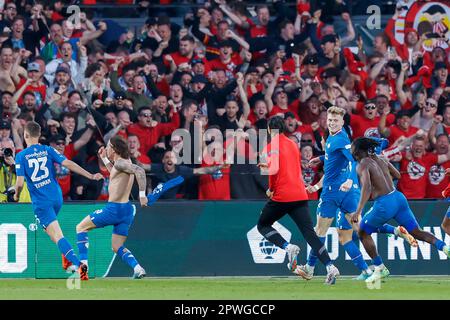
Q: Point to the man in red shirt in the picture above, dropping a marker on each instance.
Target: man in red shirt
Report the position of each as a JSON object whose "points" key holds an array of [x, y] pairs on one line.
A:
{"points": [[414, 166], [133, 146], [437, 180], [402, 128], [366, 125], [183, 56], [287, 194], [227, 60], [150, 131]]}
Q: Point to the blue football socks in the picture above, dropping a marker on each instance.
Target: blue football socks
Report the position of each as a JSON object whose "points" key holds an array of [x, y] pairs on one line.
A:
{"points": [[66, 249], [127, 257]]}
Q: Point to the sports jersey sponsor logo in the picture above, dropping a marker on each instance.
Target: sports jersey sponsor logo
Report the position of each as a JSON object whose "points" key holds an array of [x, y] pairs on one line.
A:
{"points": [[415, 170], [308, 176], [263, 251], [372, 132], [436, 174]]}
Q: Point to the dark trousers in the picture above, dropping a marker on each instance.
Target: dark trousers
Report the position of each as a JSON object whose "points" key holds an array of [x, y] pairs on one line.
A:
{"points": [[299, 212]]}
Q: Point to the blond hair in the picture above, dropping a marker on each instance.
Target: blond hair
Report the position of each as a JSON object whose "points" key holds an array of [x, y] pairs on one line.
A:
{"points": [[336, 111]]}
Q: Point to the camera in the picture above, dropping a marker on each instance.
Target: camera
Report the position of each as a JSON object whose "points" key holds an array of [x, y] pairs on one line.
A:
{"points": [[10, 194], [7, 152]]}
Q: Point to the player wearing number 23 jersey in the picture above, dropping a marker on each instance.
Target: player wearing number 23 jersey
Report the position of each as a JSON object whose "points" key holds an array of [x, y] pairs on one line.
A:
{"points": [[36, 164]]}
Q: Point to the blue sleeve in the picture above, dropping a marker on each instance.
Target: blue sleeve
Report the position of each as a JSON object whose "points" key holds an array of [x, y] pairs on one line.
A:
{"points": [[55, 156], [20, 169], [322, 158], [352, 174], [345, 146]]}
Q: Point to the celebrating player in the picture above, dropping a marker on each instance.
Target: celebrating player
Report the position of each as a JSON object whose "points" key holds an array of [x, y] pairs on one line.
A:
{"points": [[339, 196], [36, 165], [376, 182], [287, 194], [119, 211]]}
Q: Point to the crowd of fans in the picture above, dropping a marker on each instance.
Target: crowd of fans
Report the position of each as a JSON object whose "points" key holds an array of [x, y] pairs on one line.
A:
{"points": [[221, 69]]}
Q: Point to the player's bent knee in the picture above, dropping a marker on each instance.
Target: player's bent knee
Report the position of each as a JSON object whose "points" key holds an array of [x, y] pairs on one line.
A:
{"points": [[345, 236]]}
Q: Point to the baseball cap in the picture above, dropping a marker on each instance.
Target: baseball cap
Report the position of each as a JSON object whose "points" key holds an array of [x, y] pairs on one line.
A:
{"points": [[4, 124], [403, 113], [330, 72], [328, 38], [311, 59], [196, 60], [226, 43], [62, 69], [119, 95], [34, 66], [199, 79], [289, 114], [439, 65], [252, 70], [56, 138]]}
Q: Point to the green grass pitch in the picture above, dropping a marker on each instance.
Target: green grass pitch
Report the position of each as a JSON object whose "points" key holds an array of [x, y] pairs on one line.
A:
{"points": [[248, 288]]}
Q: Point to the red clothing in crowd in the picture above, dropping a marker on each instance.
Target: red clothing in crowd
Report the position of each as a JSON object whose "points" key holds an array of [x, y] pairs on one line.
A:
{"points": [[63, 175], [414, 175], [285, 172], [396, 133], [231, 68], [148, 137], [104, 195], [39, 90], [258, 31], [363, 127], [177, 58], [437, 180], [213, 187], [291, 108]]}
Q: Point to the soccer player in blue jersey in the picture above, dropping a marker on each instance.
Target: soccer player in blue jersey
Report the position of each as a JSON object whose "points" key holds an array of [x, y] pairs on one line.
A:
{"points": [[119, 211], [35, 164], [376, 183], [339, 197]]}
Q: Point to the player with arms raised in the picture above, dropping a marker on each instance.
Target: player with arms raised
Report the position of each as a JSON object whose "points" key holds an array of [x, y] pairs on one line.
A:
{"points": [[36, 165], [119, 211], [376, 182]]}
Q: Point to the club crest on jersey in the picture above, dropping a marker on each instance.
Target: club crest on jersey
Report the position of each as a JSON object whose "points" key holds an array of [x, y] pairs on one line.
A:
{"points": [[415, 170], [436, 174], [372, 133]]}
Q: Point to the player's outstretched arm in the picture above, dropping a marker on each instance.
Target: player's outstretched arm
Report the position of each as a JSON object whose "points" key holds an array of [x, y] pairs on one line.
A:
{"points": [[73, 167], [128, 167], [207, 170]]}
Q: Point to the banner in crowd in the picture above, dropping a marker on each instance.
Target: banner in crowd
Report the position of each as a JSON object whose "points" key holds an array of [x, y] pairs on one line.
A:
{"points": [[200, 239], [430, 17]]}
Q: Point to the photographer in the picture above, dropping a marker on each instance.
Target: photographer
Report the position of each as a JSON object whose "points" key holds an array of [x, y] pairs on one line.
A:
{"points": [[8, 173]]}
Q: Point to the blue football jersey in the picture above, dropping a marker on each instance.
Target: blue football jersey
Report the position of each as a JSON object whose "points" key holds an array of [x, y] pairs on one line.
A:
{"points": [[339, 164], [36, 164]]}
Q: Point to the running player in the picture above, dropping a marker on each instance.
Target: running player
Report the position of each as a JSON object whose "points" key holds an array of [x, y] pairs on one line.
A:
{"points": [[36, 165], [119, 211], [376, 182], [339, 196], [287, 194], [446, 194]]}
